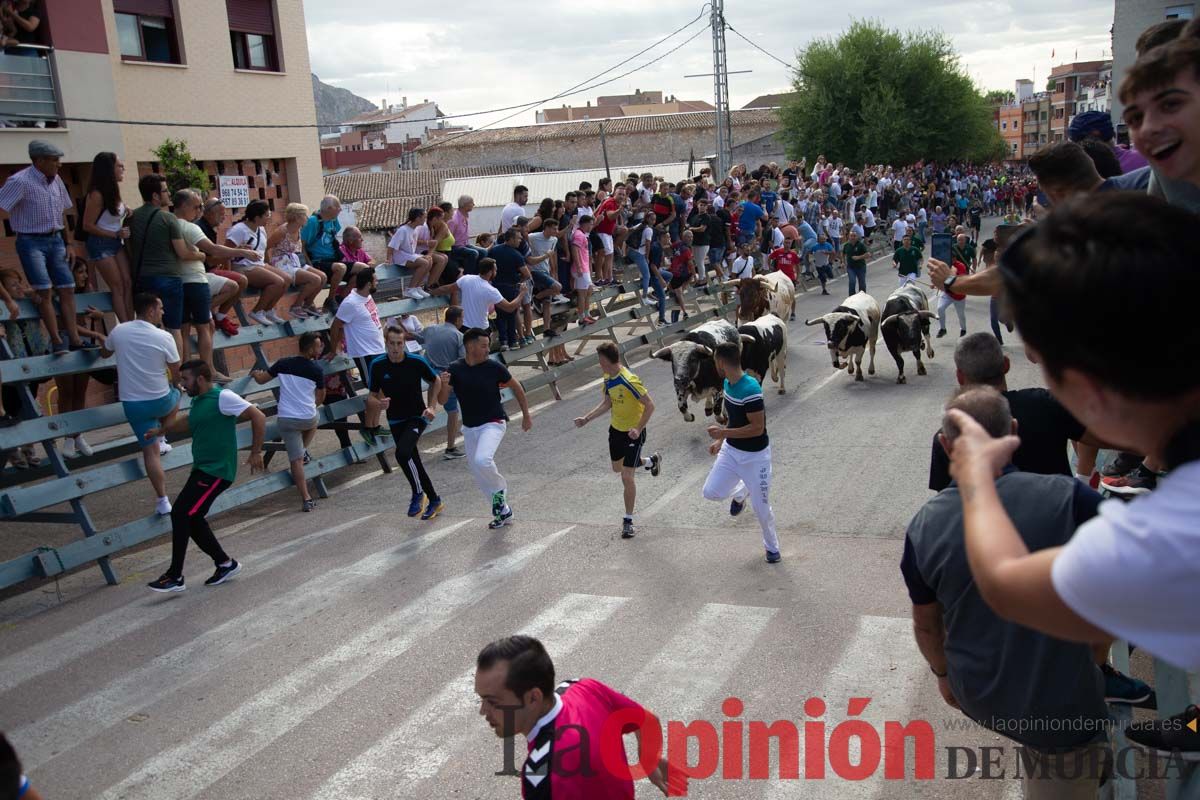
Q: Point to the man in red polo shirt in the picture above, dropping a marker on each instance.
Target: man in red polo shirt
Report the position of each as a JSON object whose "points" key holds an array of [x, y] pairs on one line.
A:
{"points": [[607, 216], [574, 732]]}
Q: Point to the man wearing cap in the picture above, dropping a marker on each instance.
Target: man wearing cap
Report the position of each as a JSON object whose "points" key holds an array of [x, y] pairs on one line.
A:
{"points": [[1098, 125], [35, 199]]}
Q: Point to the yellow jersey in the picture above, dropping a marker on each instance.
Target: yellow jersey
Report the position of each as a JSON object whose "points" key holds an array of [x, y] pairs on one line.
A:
{"points": [[626, 391]]}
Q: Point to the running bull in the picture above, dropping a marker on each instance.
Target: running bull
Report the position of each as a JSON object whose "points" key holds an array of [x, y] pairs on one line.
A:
{"points": [[764, 349], [905, 326], [850, 329], [694, 370], [772, 293]]}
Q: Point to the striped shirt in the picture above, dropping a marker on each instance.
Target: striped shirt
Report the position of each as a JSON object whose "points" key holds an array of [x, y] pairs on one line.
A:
{"points": [[34, 204]]}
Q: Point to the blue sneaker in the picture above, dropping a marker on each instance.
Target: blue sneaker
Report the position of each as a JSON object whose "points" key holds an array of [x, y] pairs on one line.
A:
{"points": [[773, 557], [1122, 688], [417, 504], [736, 507], [433, 508]]}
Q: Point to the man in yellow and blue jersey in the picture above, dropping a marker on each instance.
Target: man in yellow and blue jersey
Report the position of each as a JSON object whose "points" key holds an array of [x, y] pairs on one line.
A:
{"points": [[631, 408]]}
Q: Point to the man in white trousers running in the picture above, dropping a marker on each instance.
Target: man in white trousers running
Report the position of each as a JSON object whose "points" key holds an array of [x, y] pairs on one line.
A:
{"points": [[477, 380], [743, 451]]}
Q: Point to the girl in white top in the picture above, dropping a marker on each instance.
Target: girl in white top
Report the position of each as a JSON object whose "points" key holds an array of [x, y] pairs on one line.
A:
{"points": [[104, 223], [251, 234], [287, 257]]}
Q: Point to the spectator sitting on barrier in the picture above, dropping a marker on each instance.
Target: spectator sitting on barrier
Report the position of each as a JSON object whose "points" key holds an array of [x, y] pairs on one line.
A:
{"points": [[444, 346], [484, 241], [212, 216], [72, 389], [301, 389], [26, 337], [145, 354], [286, 254], [543, 266], [444, 273], [403, 250], [525, 315], [511, 275], [682, 270], [460, 225], [351, 252], [36, 199], [251, 234], [104, 223], [320, 242], [10, 305], [581, 268]]}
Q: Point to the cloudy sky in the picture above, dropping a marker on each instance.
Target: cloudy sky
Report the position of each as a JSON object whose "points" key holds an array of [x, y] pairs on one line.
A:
{"points": [[469, 57]]}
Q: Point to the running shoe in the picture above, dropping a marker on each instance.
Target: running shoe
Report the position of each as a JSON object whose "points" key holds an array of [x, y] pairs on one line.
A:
{"points": [[227, 326], [453, 453], [655, 463], [274, 317], [941, 333], [167, 584], [413, 294], [82, 446], [298, 311], [371, 435], [773, 557], [309, 505], [68, 448], [1177, 736], [736, 506], [259, 317], [627, 529], [1140, 481], [1123, 464], [307, 458], [224, 573], [162, 507], [416, 505], [962, 332], [163, 447], [502, 519], [433, 508], [1121, 688]]}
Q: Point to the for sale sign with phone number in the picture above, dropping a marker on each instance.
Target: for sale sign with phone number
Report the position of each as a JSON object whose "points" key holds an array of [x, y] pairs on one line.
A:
{"points": [[235, 190]]}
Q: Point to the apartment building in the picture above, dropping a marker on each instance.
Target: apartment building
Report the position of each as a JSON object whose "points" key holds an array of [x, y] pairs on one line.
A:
{"points": [[1069, 82], [156, 69]]}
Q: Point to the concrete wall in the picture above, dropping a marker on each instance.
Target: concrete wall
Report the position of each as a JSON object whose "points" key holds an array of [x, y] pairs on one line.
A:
{"points": [[565, 153], [1130, 18], [207, 88]]}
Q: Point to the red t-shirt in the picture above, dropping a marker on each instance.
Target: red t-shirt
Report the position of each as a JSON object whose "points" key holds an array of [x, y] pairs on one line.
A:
{"points": [[681, 258], [785, 261], [959, 269], [604, 225], [552, 769]]}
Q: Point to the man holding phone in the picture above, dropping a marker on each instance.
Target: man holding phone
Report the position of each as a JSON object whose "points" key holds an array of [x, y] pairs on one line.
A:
{"points": [[985, 283]]}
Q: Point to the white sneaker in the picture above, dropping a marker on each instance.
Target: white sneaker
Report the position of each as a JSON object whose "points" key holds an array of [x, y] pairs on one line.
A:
{"points": [[649, 302], [68, 448], [162, 507], [163, 447], [84, 448], [274, 317], [414, 294], [260, 317], [560, 298]]}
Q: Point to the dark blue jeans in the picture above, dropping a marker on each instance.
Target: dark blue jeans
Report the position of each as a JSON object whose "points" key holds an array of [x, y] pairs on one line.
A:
{"points": [[506, 321], [857, 275]]}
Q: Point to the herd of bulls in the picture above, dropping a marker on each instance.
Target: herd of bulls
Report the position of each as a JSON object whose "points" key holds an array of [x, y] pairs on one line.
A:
{"points": [[766, 303]]}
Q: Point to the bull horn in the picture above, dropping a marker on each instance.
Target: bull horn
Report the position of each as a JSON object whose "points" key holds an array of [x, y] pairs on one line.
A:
{"points": [[761, 278], [817, 321], [706, 350], [748, 338], [886, 320], [663, 353], [928, 314]]}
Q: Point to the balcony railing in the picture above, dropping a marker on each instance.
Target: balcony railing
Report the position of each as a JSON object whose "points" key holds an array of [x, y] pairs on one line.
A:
{"points": [[28, 96]]}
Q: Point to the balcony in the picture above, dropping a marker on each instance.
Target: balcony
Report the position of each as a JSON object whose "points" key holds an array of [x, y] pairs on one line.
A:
{"points": [[28, 95]]}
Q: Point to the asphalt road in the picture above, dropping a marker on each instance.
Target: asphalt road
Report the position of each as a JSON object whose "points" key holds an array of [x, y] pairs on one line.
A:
{"points": [[338, 664]]}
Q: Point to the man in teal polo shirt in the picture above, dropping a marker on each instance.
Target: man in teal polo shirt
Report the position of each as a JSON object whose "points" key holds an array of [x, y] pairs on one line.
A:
{"points": [[213, 420], [907, 259]]}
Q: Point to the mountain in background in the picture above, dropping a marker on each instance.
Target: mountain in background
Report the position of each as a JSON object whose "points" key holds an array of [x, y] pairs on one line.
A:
{"points": [[336, 105]]}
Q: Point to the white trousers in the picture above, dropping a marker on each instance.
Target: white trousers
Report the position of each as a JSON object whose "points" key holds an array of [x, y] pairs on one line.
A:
{"points": [[482, 442], [960, 307], [907, 279], [738, 473]]}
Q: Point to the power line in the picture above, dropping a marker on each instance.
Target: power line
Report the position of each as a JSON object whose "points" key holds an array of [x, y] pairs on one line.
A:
{"points": [[756, 47]]}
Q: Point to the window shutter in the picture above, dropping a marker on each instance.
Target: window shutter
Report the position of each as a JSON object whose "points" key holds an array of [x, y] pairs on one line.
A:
{"points": [[147, 8], [251, 16]]}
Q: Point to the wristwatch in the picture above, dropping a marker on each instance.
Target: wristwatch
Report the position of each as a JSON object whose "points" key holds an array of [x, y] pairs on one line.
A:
{"points": [[946, 284]]}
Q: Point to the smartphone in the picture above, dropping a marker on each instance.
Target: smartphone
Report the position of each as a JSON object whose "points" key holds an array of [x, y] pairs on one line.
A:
{"points": [[942, 248]]}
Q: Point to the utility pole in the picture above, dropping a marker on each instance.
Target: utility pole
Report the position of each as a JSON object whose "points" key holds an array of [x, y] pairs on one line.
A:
{"points": [[721, 91]]}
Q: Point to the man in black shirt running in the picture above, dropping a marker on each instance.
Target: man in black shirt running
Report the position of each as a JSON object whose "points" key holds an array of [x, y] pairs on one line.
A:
{"points": [[477, 381], [395, 383]]}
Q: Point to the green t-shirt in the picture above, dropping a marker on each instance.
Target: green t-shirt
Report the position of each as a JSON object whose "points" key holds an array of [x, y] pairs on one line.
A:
{"points": [[150, 242], [213, 420], [854, 249], [907, 260], [965, 254]]}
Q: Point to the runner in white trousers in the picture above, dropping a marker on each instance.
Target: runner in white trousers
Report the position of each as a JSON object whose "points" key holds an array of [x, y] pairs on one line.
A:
{"points": [[743, 451], [477, 380]]}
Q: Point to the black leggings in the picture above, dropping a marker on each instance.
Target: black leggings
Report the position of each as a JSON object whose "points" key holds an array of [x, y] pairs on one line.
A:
{"points": [[407, 435], [188, 520]]}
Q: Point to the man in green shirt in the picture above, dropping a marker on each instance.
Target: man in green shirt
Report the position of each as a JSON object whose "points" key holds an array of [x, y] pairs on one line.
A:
{"points": [[213, 420], [907, 259], [964, 251], [855, 253]]}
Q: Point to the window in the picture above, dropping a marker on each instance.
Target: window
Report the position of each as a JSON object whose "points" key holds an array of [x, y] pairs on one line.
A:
{"points": [[1179, 12], [252, 34], [146, 31], [1003, 126]]}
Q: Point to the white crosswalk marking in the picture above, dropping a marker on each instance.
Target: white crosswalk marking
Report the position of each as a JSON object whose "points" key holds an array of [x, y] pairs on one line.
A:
{"points": [[53, 653], [161, 676], [424, 742], [864, 669], [186, 770]]}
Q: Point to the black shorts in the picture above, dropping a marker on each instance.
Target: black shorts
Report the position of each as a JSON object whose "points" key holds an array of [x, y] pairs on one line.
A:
{"points": [[622, 448], [679, 281], [450, 273], [326, 268]]}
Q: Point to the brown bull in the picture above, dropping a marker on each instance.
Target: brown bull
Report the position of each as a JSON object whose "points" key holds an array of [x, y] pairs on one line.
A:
{"points": [[765, 294]]}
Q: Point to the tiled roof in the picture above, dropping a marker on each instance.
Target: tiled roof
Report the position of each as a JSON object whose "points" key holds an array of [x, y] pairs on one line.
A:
{"points": [[378, 215], [379, 115], [769, 100], [583, 129], [354, 186]]}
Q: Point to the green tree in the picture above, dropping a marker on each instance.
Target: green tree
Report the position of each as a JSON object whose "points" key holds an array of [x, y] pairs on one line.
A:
{"points": [[180, 169], [875, 95], [1000, 97]]}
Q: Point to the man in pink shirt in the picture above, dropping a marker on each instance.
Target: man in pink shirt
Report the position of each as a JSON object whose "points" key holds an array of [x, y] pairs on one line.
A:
{"points": [[574, 751], [463, 250]]}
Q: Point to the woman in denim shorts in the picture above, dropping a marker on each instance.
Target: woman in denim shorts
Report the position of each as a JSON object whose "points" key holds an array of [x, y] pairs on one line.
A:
{"points": [[104, 222]]}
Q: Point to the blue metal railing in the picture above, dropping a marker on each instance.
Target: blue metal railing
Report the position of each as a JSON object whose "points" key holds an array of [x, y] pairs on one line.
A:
{"points": [[27, 89]]}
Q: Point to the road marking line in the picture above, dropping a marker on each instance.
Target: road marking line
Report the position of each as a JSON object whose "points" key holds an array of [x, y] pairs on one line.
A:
{"points": [[55, 652], [162, 676], [188, 769], [429, 737]]}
